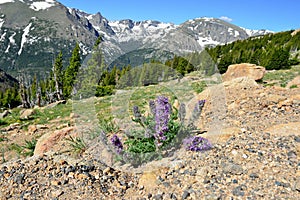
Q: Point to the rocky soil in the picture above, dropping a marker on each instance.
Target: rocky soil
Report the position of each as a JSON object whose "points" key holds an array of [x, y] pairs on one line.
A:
{"points": [[255, 156]]}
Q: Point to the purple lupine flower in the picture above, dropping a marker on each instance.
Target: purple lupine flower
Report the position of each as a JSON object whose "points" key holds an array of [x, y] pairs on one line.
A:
{"points": [[116, 141], [197, 143], [162, 115]]}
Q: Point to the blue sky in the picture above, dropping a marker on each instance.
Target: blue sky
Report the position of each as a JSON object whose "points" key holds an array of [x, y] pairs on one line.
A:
{"points": [[276, 15]]}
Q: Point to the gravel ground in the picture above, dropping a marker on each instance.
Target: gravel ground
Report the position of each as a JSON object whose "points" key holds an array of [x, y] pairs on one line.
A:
{"points": [[251, 164]]}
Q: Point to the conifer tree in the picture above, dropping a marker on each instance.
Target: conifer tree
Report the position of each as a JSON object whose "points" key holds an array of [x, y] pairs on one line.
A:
{"points": [[71, 72], [90, 76]]}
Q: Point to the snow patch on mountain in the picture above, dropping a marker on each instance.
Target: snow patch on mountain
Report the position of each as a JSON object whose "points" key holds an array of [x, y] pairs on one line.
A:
{"points": [[141, 31], [85, 50], [6, 1], [24, 37], [1, 22], [236, 33], [11, 41], [42, 5], [256, 32], [204, 41], [2, 38], [7, 49]]}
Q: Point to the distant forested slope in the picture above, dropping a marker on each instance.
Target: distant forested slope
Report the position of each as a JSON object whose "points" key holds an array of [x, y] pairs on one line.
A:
{"points": [[273, 51]]}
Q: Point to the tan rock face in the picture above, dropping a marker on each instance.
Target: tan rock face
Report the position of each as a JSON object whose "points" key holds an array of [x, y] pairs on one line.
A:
{"points": [[244, 70], [47, 141]]}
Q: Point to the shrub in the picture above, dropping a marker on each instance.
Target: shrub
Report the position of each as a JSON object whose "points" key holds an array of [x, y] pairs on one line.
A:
{"points": [[77, 145], [158, 132], [199, 86], [104, 90], [24, 150]]}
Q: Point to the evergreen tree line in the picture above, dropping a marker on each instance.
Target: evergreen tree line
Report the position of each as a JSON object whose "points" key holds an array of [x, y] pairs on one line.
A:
{"points": [[93, 78], [10, 98], [272, 51], [57, 86], [154, 72]]}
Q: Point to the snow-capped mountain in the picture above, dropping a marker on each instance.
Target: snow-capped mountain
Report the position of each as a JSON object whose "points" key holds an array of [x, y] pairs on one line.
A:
{"points": [[32, 32]]}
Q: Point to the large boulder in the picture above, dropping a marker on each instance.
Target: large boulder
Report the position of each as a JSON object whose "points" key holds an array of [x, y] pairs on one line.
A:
{"points": [[244, 70], [27, 114], [52, 105], [49, 140]]}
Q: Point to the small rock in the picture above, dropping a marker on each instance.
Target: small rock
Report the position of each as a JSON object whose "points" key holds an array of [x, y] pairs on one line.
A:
{"points": [[253, 176], [173, 196], [19, 179], [231, 168], [297, 184], [4, 114], [57, 193], [240, 190], [234, 181], [55, 183], [282, 184], [106, 170], [82, 176], [32, 129], [292, 154], [186, 194], [13, 126], [158, 197]]}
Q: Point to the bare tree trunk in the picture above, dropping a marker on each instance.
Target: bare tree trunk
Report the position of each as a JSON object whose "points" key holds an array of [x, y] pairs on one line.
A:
{"points": [[38, 99], [24, 98], [57, 86]]}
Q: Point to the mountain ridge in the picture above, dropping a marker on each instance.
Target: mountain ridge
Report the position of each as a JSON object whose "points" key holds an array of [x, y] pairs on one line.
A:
{"points": [[33, 32]]}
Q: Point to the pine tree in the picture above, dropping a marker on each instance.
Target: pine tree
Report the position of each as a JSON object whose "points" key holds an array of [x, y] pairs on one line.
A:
{"points": [[11, 97], [91, 76], [279, 59], [71, 72]]}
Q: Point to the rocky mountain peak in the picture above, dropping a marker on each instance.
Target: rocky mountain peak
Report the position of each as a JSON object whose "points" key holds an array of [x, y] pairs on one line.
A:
{"points": [[34, 27]]}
